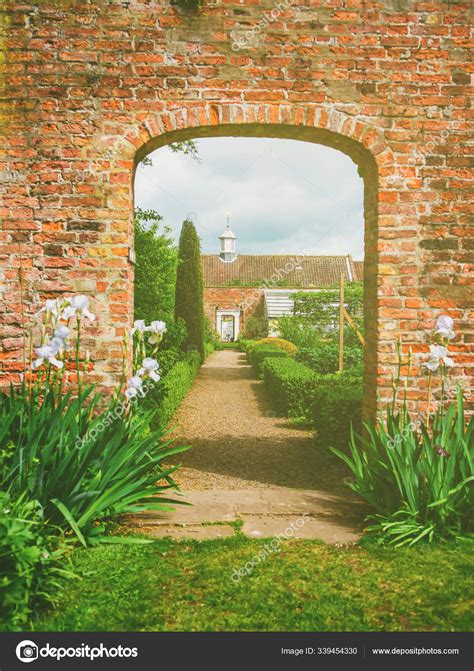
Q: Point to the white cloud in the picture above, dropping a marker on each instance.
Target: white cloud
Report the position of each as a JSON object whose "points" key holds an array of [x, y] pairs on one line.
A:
{"points": [[283, 195]]}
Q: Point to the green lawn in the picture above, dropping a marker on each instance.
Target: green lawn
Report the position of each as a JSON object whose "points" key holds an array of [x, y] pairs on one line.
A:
{"points": [[187, 585]]}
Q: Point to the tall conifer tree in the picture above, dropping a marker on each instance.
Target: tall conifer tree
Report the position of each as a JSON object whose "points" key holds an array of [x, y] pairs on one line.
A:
{"points": [[189, 287]]}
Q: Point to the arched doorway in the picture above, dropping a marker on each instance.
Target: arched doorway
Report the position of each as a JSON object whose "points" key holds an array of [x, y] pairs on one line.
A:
{"points": [[360, 142]]}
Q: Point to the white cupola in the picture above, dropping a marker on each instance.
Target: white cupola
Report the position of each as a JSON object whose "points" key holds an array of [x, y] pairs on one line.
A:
{"points": [[228, 244]]}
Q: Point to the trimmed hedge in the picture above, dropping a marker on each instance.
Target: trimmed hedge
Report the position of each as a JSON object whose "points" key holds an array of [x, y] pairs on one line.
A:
{"points": [[330, 403], [175, 385], [285, 345], [257, 355], [335, 404], [246, 344], [289, 384]]}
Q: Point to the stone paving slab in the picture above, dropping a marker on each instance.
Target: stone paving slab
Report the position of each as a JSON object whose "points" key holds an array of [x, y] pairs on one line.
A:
{"points": [[264, 513], [310, 528], [296, 501], [200, 532], [226, 505], [210, 508]]}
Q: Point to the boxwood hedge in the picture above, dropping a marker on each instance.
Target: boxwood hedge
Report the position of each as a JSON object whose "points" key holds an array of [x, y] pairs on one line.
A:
{"points": [[175, 385], [289, 385], [259, 353], [330, 403], [335, 404]]}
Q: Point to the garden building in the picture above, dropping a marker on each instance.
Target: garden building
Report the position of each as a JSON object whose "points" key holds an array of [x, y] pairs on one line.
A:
{"points": [[240, 286]]}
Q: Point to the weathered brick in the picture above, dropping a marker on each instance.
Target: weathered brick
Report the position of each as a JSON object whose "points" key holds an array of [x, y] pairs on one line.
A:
{"points": [[91, 85]]}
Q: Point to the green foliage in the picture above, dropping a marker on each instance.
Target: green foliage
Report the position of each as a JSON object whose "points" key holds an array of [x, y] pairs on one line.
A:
{"points": [[330, 403], [187, 147], [210, 333], [176, 385], [81, 465], [324, 357], [418, 478], [170, 352], [208, 349], [256, 327], [260, 350], [32, 557], [316, 317], [257, 355], [280, 343], [189, 288], [175, 335], [69, 462], [335, 407], [289, 385], [238, 283], [246, 344], [321, 308], [298, 331], [155, 270]]}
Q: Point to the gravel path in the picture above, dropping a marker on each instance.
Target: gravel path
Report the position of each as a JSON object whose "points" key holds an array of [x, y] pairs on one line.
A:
{"points": [[247, 465], [238, 442]]}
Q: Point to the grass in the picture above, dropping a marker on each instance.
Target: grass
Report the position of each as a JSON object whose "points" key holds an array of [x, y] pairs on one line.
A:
{"points": [[308, 586]]}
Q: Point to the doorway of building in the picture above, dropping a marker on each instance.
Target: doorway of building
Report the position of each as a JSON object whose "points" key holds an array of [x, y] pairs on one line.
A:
{"points": [[227, 325]]}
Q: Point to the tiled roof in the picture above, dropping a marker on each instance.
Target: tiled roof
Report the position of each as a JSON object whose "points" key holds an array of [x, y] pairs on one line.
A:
{"points": [[358, 270], [282, 270]]}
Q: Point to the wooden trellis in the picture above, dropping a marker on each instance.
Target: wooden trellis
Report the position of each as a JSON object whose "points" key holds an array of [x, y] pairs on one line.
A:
{"points": [[345, 316]]}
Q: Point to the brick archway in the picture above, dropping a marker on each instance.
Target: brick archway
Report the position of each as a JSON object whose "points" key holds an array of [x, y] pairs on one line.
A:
{"points": [[361, 142], [100, 84]]}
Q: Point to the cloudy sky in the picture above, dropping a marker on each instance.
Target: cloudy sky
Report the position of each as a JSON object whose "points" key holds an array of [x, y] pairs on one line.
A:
{"points": [[283, 196]]}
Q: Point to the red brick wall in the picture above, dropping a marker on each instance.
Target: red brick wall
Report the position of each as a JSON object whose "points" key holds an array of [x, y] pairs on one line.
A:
{"points": [[247, 299], [93, 87]]}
